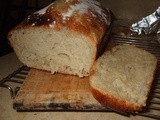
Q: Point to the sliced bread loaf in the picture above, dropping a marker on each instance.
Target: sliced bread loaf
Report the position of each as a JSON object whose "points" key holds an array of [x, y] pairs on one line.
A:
{"points": [[121, 78], [63, 37]]}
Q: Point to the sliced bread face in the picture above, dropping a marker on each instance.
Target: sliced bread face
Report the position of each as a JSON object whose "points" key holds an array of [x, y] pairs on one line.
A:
{"points": [[121, 78], [63, 37], [53, 51]]}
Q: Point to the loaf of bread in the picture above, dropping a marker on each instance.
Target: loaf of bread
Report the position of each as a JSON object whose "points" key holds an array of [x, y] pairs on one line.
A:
{"points": [[121, 78], [64, 37]]}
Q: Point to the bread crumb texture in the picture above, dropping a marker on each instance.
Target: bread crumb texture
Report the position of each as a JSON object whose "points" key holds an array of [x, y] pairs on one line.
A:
{"points": [[125, 73], [63, 37]]}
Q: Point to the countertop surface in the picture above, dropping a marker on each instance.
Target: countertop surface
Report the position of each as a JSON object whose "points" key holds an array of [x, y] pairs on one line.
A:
{"points": [[8, 64]]}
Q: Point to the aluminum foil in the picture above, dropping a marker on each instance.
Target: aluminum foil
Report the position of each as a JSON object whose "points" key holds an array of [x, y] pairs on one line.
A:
{"points": [[148, 25]]}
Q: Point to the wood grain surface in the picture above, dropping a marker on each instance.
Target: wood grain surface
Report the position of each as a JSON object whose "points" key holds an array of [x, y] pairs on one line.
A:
{"points": [[44, 91]]}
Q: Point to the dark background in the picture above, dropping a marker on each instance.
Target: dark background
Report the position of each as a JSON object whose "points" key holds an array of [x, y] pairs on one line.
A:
{"points": [[12, 12]]}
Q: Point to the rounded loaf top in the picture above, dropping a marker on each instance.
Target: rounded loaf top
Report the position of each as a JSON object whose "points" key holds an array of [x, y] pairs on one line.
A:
{"points": [[88, 17]]}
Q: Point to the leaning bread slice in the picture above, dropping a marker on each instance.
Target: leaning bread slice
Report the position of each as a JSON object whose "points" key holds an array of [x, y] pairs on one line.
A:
{"points": [[121, 78]]}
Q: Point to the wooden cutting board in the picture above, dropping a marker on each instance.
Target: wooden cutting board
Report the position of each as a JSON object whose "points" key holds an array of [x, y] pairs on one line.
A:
{"points": [[44, 91]]}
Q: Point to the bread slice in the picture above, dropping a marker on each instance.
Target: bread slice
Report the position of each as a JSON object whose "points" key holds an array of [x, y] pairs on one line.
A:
{"points": [[64, 37], [121, 78]]}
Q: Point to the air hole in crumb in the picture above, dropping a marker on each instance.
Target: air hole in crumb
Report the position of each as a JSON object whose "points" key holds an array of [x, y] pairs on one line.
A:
{"points": [[64, 55], [49, 35]]}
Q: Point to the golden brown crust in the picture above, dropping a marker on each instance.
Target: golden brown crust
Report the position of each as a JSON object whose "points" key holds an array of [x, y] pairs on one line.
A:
{"points": [[89, 23], [114, 103], [83, 17]]}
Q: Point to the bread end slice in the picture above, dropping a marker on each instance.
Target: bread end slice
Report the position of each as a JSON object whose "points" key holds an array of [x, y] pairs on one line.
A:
{"points": [[122, 77]]}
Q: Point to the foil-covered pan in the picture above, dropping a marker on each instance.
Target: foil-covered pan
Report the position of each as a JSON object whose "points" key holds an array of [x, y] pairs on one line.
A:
{"points": [[148, 25]]}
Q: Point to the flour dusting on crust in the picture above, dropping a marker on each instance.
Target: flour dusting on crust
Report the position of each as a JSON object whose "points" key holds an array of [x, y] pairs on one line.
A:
{"points": [[83, 6]]}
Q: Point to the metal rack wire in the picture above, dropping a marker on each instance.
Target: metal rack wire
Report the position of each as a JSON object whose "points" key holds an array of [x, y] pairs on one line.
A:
{"points": [[18, 77]]}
